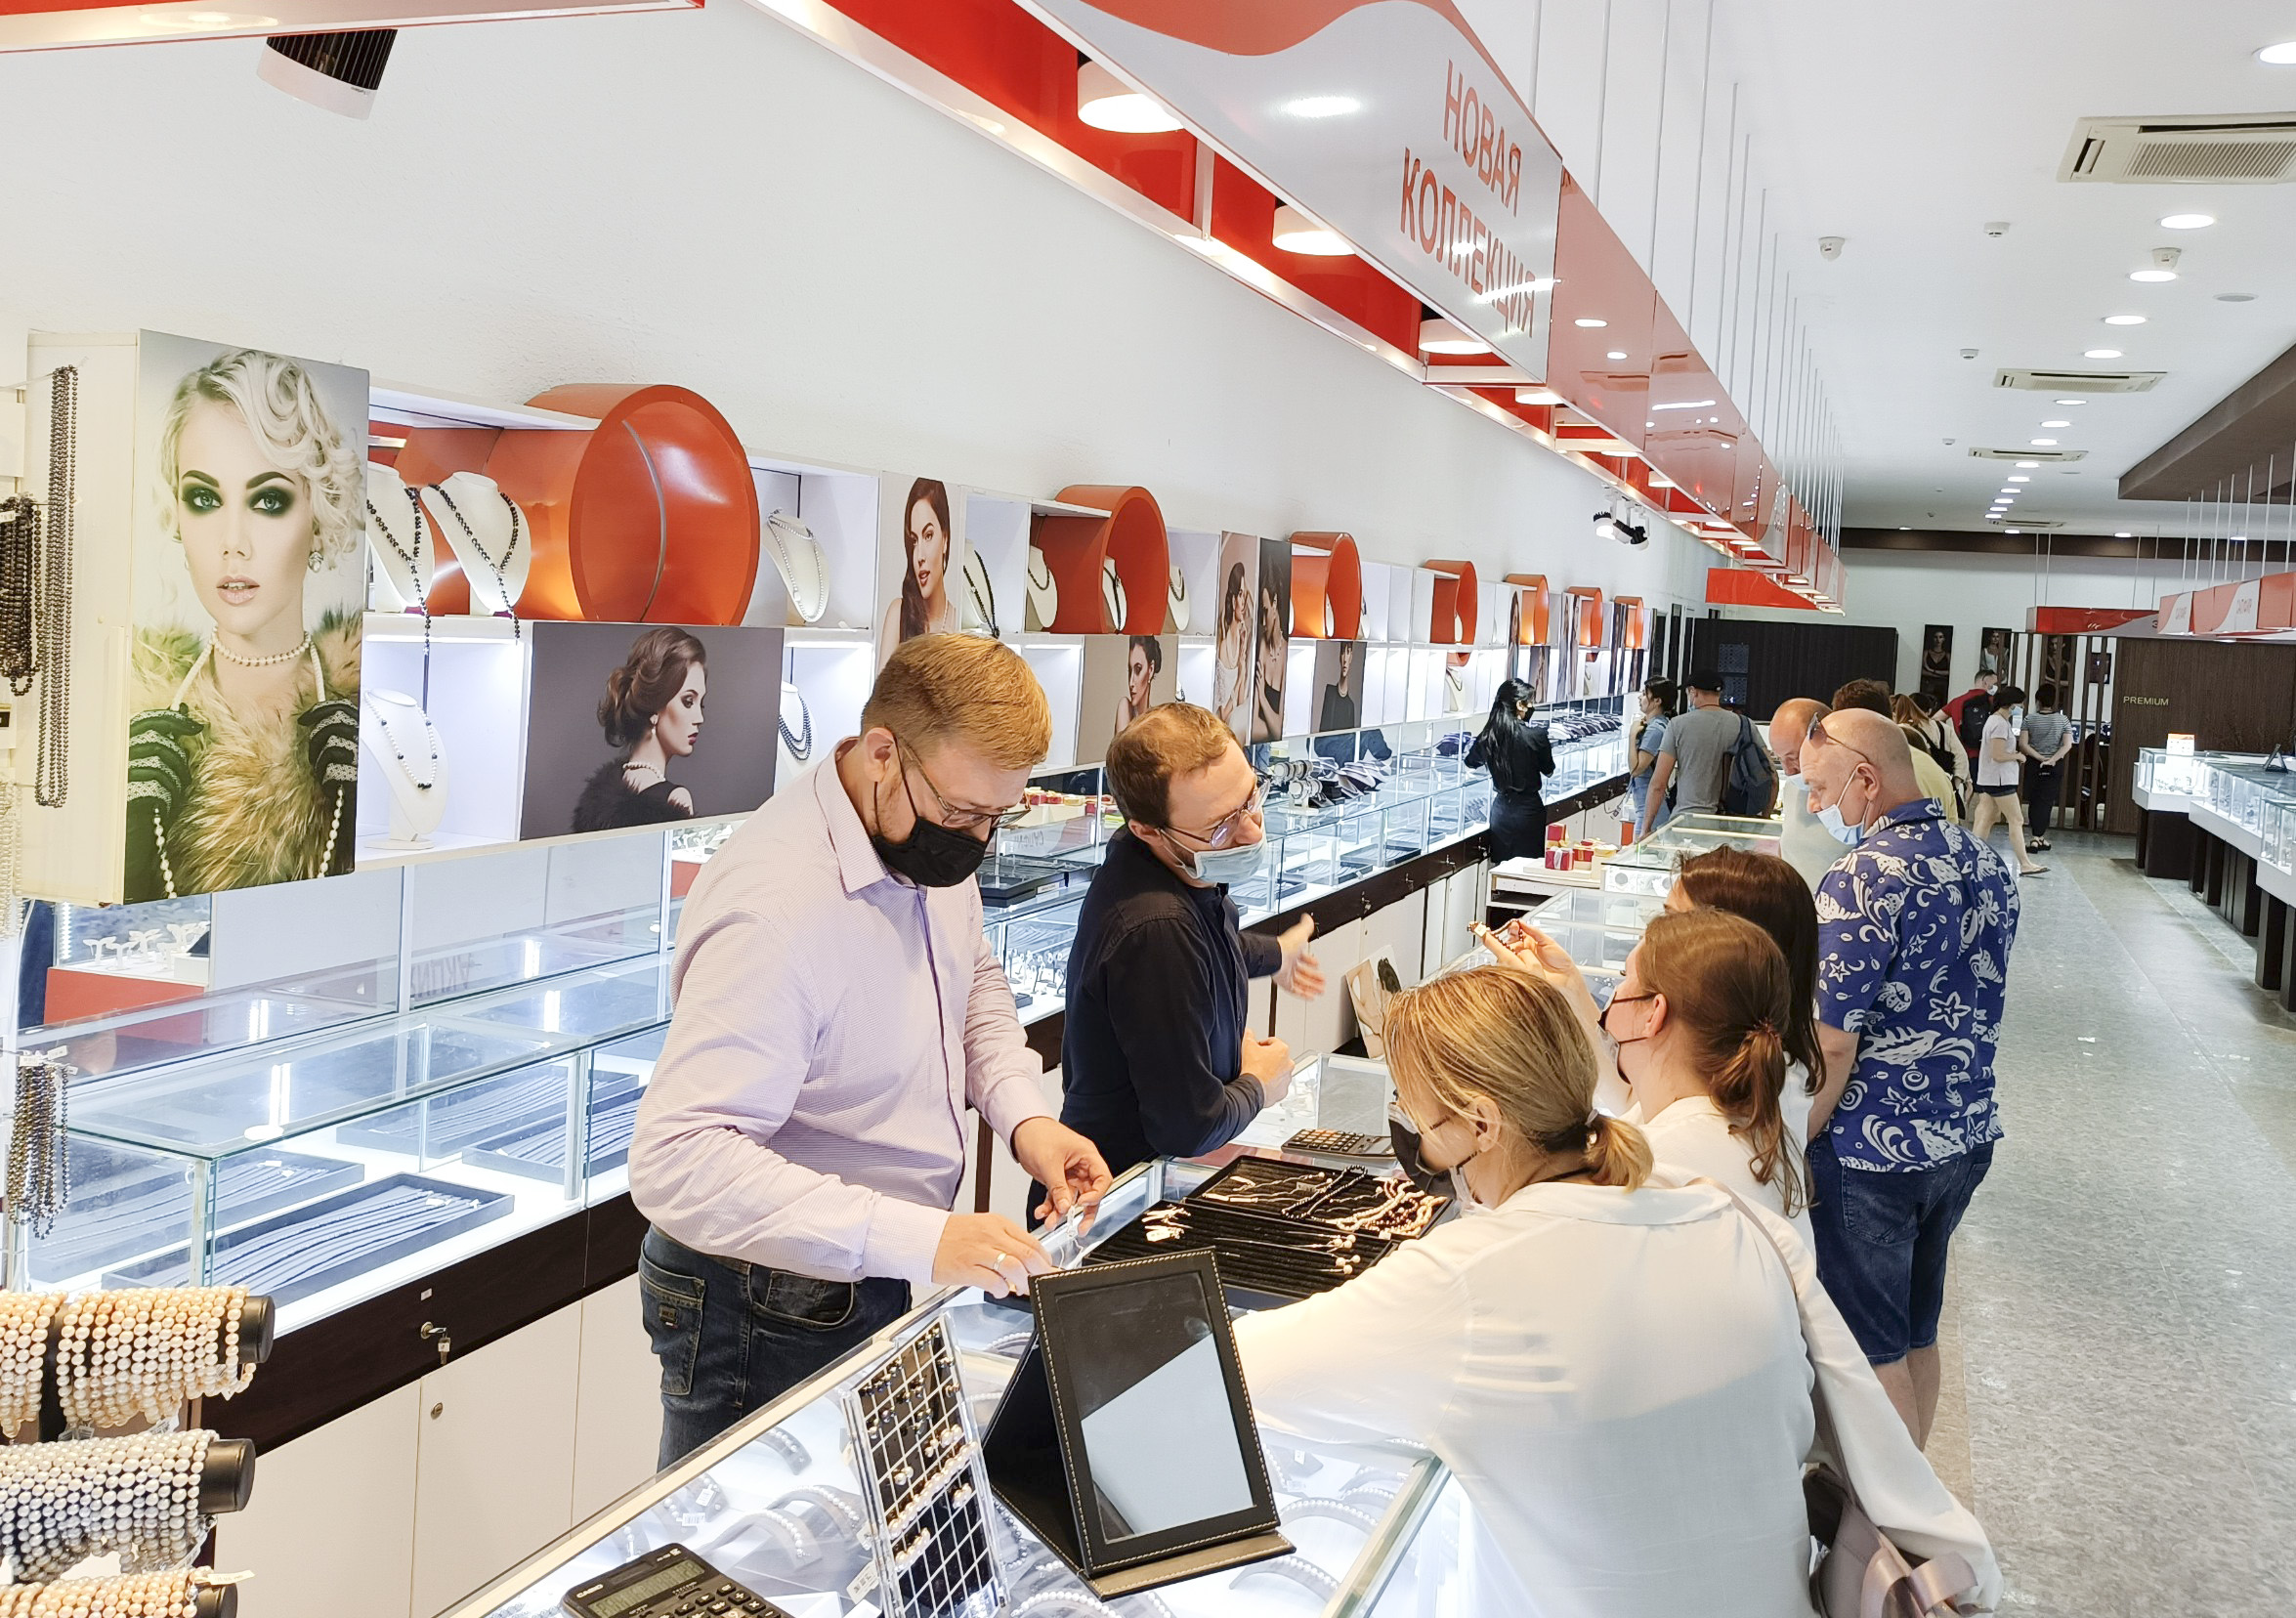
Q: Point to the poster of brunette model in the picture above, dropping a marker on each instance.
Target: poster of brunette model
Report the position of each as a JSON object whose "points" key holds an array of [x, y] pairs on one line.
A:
{"points": [[636, 724], [250, 577]]}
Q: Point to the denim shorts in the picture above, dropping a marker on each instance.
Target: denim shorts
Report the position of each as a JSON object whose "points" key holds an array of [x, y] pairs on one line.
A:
{"points": [[1881, 1243]]}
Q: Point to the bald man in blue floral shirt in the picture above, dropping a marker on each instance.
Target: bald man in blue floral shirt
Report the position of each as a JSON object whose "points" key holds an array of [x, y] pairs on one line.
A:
{"points": [[1915, 925]]}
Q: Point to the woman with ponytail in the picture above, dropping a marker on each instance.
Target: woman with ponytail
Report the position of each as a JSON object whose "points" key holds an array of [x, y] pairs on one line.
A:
{"points": [[1614, 1369], [1700, 1023]]}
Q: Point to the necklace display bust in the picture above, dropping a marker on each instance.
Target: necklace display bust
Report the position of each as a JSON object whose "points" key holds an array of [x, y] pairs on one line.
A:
{"points": [[405, 747], [398, 538], [488, 536]]}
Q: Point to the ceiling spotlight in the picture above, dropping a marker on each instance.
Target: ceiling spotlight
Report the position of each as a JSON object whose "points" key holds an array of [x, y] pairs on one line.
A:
{"points": [[2188, 222], [2068, 401], [1296, 232], [1589, 324], [2101, 354], [2149, 275], [2123, 533], [1440, 336], [1106, 102], [1537, 396], [2019, 477], [2283, 54], [2057, 424], [1616, 354], [1323, 106], [1605, 525], [2044, 444], [2124, 320], [2028, 464], [337, 72]]}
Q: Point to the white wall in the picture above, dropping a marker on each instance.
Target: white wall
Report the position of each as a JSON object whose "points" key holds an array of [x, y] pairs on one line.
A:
{"points": [[1909, 590], [708, 198]]}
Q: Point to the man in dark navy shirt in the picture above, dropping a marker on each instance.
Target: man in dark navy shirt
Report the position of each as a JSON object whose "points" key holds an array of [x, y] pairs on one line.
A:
{"points": [[1157, 1058]]}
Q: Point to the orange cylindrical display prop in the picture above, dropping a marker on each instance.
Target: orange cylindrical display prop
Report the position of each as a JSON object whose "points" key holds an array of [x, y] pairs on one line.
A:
{"points": [[1326, 570], [651, 516], [1075, 548], [1457, 608], [1536, 612]]}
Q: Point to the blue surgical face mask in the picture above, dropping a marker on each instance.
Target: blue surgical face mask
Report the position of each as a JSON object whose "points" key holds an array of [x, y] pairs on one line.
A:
{"points": [[1830, 817], [1225, 864], [2017, 716]]}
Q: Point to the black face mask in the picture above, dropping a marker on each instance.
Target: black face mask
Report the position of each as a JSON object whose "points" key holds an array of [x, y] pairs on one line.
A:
{"points": [[1404, 1137], [934, 856]]}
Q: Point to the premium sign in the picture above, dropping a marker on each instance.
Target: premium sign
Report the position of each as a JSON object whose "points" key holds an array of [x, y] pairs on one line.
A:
{"points": [[1384, 119]]}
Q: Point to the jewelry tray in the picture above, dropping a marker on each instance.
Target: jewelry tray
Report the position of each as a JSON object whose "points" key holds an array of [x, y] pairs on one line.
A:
{"points": [[1006, 878], [1309, 1194], [537, 1148], [119, 1199], [1265, 1261], [444, 1125], [461, 1208]]}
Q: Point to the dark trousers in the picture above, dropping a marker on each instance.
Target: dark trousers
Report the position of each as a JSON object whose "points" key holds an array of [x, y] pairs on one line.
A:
{"points": [[2042, 782], [733, 1336], [1518, 826]]}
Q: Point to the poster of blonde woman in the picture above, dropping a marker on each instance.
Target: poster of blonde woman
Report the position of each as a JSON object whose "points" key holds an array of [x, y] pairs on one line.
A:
{"points": [[250, 577]]}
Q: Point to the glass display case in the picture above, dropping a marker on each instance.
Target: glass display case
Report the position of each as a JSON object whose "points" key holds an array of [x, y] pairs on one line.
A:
{"points": [[781, 1502], [1648, 867], [2236, 789], [2166, 780], [2277, 838], [1348, 1093]]}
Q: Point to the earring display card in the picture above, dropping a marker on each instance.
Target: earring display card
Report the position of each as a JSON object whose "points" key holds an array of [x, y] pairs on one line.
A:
{"points": [[921, 1471], [1126, 1438]]}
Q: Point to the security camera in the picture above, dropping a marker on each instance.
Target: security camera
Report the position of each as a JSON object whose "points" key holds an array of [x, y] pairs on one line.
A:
{"points": [[1969, 354], [1830, 247], [2165, 258], [1997, 227]]}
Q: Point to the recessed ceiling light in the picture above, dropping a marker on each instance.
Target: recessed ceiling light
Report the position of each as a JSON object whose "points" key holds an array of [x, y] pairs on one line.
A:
{"points": [[2101, 354], [1323, 106], [2283, 54], [2068, 401], [2012, 531], [2044, 444], [1616, 354], [2028, 463], [2236, 297], [1106, 102], [1537, 396], [1296, 232], [1440, 336], [1589, 324], [2124, 320], [2150, 275], [2123, 533], [2057, 424], [2188, 222], [2019, 478]]}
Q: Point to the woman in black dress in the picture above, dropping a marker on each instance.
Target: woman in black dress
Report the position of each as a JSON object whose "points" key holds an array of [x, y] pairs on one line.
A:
{"points": [[651, 713], [1519, 758]]}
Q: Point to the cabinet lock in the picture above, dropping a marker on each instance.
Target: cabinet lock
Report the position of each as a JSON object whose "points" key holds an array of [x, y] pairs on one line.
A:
{"points": [[439, 1336]]}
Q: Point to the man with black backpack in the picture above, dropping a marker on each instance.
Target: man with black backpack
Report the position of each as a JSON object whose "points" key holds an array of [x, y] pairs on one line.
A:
{"points": [[1711, 761], [1972, 709]]}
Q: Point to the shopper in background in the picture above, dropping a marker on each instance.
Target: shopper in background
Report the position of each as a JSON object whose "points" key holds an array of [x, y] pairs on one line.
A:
{"points": [[1694, 762], [1156, 1054], [1805, 845], [1915, 926], [1644, 741], [838, 1009], [1922, 717], [1616, 1372], [1873, 697], [2044, 740], [1999, 765], [1520, 758], [1770, 893], [1970, 710]]}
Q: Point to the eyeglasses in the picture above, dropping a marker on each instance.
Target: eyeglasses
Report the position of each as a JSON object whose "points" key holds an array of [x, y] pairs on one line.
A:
{"points": [[1819, 733], [958, 817], [1224, 830]]}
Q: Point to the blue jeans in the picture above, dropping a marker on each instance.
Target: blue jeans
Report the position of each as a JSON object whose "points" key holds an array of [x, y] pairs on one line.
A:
{"points": [[1882, 1238], [733, 1336]]}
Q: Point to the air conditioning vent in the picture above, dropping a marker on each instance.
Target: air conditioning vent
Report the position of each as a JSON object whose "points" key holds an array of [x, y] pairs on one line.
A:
{"points": [[2050, 457], [2254, 149], [2080, 381], [2023, 525]]}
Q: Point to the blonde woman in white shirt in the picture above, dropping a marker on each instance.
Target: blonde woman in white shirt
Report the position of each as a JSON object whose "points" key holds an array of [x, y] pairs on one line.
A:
{"points": [[1615, 1372]]}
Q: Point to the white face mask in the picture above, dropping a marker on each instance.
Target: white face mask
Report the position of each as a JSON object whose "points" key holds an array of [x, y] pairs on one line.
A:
{"points": [[1830, 817], [1224, 865], [1464, 1194]]}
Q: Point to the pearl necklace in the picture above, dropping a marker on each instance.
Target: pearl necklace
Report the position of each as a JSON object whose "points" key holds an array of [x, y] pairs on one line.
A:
{"points": [[391, 739], [139, 1496], [39, 1165], [147, 1351], [502, 567], [272, 661], [800, 746], [422, 597], [174, 1594], [25, 1318]]}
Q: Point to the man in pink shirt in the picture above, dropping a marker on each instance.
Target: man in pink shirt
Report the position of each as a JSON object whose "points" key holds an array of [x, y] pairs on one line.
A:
{"points": [[839, 1009]]}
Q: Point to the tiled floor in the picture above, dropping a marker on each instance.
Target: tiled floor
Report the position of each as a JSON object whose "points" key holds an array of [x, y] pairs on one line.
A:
{"points": [[2125, 1282]]}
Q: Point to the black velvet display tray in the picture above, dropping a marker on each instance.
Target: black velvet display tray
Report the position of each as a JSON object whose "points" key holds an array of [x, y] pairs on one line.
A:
{"points": [[284, 1278], [120, 1199], [464, 1116], [537, 1148], [1262, 1261]]}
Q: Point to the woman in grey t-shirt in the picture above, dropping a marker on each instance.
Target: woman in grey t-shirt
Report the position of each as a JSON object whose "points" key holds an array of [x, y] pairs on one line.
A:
{"points": [[2045, 737]]}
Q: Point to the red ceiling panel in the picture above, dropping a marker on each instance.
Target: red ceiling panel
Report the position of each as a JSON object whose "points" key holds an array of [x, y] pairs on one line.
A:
{"points": [[1595, 278]]}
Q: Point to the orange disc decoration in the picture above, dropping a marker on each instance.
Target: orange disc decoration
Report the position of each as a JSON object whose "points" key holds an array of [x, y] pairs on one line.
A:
{"points": [[1533, 630], [1077, 549], [1335, 578], [1456, 604]]}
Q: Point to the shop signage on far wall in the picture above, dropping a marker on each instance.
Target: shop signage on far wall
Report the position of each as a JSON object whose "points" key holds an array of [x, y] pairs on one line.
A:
{"points": [[1388, 122]]}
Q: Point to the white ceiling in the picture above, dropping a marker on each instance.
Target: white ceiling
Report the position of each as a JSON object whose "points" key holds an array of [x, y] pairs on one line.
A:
{"points": [[1906, 127]]}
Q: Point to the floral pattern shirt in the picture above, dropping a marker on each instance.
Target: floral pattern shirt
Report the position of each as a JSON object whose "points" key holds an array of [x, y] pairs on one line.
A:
{"points": [[1914, 929]]}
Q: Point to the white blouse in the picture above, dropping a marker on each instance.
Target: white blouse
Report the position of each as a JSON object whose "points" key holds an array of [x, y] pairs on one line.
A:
{"points": [[1693, 1136], [1620, 1383]]}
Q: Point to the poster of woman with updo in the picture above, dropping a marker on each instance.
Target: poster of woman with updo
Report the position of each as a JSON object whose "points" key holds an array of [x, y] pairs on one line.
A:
{"points": [[636, 724], [251, 580]]}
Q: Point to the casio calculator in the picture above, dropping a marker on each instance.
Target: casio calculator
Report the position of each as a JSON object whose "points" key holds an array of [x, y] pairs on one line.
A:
{"points": [[1339, 1143], [669, 1583]]}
